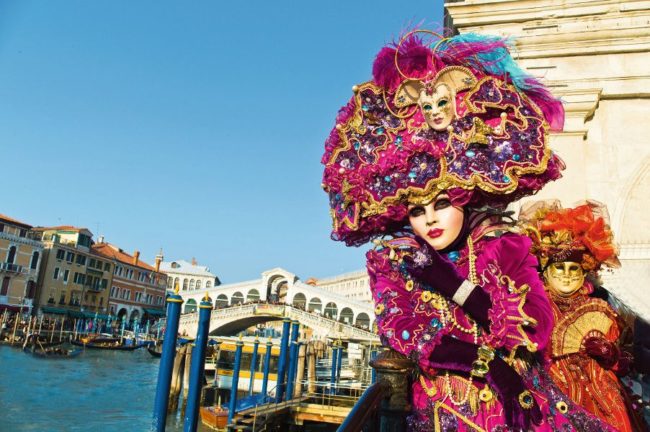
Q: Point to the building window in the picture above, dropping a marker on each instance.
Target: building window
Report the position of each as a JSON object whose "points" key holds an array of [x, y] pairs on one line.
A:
{"points": [[92, 262], [185, 282], [198, 284], [31, 289], [56, 273], [81, 260], [208, 284], [22, 233], [11, 256], [5, 286], [62, 298], [66, 274], [107, 267], [2, 227], [191, 284], [34, 263], [69, 257], [60, 254]]}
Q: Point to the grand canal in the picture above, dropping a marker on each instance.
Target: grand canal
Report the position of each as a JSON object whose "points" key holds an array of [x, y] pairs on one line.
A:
{"points": [[97, 391]]}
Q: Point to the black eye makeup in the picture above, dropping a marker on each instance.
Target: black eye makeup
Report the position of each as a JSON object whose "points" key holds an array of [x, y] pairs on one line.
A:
{"points": [[427, 107], [442, 103], [416, 211]]}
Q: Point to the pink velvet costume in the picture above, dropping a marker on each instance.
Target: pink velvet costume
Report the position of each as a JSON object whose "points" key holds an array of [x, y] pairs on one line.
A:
{"points": [[385, 151]]}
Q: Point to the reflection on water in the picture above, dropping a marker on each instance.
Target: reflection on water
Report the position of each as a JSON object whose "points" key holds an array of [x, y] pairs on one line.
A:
{"points": [[100, 391]]}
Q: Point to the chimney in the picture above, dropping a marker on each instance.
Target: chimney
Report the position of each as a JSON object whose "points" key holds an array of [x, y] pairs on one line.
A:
{"points": [[194, 261], [136, 257], [159, 259], [101, 239]]}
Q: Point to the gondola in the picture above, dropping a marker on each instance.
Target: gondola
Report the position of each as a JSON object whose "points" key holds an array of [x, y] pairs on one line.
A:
{"points": [[115, 346], [33, 343], [56, 353], [154, 352]]}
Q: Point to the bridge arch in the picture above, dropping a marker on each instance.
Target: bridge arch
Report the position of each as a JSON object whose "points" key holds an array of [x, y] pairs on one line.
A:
{"points": [[299, 301], [253, 295], [236, 298], [331, 310], [347, 316], [363, 320], [315, 305], [190, 306], [221, 302]]}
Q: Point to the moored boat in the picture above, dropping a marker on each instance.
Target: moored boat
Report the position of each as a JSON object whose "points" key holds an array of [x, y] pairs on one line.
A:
{"points": [[154, 352], [215, 417], [56, 353], [116, 345]]}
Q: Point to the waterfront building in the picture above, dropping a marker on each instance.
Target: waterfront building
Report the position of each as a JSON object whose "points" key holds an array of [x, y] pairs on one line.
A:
{"points": [[20, 255], [188, 276], [593, 55], [73, 280], [353, 285], [137, 291]]}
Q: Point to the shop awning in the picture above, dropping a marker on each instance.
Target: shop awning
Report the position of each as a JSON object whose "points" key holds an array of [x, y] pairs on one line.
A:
{"points": [[53, 310], [154, 312]]}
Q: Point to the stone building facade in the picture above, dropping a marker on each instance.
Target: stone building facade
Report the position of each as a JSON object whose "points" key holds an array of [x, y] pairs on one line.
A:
{"points": [[595, 55], [20, 262]]}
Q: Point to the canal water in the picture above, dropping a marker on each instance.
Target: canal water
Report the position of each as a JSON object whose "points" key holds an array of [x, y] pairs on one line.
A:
{"points": [[98, 391]]}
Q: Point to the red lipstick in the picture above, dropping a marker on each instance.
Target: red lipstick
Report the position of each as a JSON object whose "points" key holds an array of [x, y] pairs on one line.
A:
{"points": [[435, 233]]}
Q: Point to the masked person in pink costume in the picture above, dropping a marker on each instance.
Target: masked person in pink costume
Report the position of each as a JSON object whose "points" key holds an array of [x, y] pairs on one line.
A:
{"points": [[422, 161]]}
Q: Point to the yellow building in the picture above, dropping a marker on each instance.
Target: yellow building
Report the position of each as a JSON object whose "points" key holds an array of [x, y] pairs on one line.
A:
{"points": [[74, 280], [20, 259]]}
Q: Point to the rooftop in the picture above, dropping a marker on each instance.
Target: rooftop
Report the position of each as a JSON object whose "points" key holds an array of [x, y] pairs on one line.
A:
{"points": [[184, 267], [7, 219], [109, 250]]}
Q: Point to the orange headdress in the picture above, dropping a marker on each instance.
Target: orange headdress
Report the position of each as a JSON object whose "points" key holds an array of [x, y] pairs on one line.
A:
{"points": [[580, 234]]}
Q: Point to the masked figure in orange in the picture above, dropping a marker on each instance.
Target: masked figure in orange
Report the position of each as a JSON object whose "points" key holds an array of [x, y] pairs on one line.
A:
{"points": [[584, 356]]}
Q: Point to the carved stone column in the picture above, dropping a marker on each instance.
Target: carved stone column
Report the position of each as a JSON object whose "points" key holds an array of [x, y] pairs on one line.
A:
{"points": [[394, 369]]}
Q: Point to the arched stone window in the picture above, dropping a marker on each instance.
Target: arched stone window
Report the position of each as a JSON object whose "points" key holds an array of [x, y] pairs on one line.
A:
{"points": [[315, 305], [208, 284], [198, 284], [190, 306], [331, 310], [299, 301], [221, 302], [237, 298], [253, 295], [347, 316], [191, 284], [185, 284], [363, 320], [31, 289]]}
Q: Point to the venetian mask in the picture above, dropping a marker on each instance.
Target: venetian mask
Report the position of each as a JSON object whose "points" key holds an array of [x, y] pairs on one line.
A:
{"points": [[564, 279], [438, 107], [436, 97]]}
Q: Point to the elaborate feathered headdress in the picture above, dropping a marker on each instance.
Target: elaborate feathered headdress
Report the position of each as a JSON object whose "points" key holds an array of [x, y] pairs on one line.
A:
{"points": [[580, 234], [456, 115]]}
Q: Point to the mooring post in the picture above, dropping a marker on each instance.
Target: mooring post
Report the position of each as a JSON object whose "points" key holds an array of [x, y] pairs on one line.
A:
{"points": [[197, 368], [293, 358], [339, 363], [186, 375], [256, 345], [234, 384], [334, 367], [282, 361], [311, 367], [174, 302], [300, 370], [267, 364], [373, 373]]}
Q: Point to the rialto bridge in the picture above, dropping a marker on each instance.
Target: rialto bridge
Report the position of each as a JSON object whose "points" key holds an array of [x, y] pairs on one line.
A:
{"points": [[276, 295]]}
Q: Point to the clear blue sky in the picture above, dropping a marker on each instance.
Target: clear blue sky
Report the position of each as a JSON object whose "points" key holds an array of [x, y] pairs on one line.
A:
{"points": [[194, 126]]}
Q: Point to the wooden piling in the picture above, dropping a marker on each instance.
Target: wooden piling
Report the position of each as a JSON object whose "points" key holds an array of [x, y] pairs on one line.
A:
{"points": [[40, 325], [52, 330], [186, 376], [311, 368], [300, 373], [175, 388], [61, 331], [13, 336]]}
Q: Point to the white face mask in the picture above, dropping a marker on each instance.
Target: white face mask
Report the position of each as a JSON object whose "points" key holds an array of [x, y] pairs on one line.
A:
{"points": [[438, 222], [438, 108]]}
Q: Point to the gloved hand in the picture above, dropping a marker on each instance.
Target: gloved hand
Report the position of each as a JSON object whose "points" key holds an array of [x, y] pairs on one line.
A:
{"points": [[430, 267], [606, 353], [509, 387]]}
